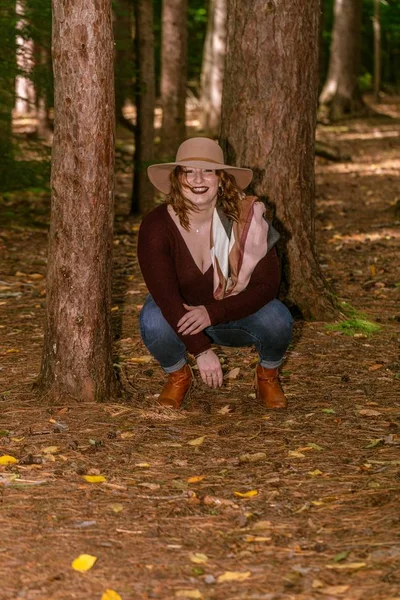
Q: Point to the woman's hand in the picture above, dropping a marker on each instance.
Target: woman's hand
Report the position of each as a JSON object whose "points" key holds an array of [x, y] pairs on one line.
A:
{"points": [[210, 368], [195, 320]]}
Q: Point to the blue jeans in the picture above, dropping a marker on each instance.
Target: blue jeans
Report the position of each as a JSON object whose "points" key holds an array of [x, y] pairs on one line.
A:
{"points": [[269, 330]]}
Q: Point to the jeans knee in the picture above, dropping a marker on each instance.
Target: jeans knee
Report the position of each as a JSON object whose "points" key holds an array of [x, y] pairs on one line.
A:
{"points": [[151, 322], [277, 322]]}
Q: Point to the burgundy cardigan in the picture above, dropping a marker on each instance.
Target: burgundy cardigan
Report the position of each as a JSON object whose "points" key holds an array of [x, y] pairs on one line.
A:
{"points": [[173, 278]]}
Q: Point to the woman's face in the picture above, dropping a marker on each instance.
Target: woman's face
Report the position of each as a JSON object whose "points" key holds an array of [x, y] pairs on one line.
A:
{"points": [[200, 186]]}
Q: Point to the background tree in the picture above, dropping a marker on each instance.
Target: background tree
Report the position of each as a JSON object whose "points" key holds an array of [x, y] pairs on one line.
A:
{"points": [[77, 356], [143, 190], [212, 73], [341, 94], [376, 20], [268, 124], [173, 76], [8, 72], [124, 59]]}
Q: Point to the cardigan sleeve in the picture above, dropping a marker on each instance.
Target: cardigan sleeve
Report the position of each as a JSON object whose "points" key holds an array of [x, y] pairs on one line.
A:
{"points": [[158, 269]]}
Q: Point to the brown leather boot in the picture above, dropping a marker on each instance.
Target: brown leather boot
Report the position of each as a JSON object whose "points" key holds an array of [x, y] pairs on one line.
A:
{"points": [[176, 388], [268, 388]]}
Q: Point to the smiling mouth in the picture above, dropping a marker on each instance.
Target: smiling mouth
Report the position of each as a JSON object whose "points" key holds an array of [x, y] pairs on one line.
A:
{"points": [[199, 190]]}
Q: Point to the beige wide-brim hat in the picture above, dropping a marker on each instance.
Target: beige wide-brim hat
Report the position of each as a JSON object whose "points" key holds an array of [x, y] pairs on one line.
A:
{"points": [[198, 153]]}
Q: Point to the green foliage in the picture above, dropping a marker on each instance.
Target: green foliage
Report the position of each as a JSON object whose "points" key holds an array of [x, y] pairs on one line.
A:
{"points": [[356, 322]]}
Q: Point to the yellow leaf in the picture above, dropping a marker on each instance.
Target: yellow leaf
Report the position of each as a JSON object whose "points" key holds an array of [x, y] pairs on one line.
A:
{"points": [[262, 525], [375, 367], [111, 595], [50, 450], [94, 478], [315, 473], [295, 454], [126, 435], [317, 584], [195, 478], [190, 594], [143, 465], [225, 410], [139, 359], [249, 494], [36, 276], [84, 562], [116, 507], [17, 439], [115, 308], [13, 351], [197, 441], [234, 576], [347, 566], [7, 460], [198, 558], [369, 412], [257, 538], [332, 590], [372, 270]]}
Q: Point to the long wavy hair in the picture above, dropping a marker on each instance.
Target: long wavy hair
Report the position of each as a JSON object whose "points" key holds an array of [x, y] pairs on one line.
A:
{"points": [[229, 196]]}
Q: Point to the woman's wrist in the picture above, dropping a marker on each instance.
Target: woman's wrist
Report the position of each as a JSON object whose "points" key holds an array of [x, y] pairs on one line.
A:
{"points": [[201, 353]]}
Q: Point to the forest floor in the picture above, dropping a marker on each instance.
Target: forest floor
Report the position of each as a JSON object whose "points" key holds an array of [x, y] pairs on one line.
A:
{"points": [[222, 499]]}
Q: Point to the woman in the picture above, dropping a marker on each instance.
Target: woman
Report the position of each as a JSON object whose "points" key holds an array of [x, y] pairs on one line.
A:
{"points": [[208, 260]]}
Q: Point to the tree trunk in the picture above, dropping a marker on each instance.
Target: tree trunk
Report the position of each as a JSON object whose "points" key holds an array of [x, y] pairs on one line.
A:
{"points": [[212, 73], [143, 190], [124, 59], [8, 69], [377, 50], [77, 357], [173, 76], [268, 124], [341, 95]]}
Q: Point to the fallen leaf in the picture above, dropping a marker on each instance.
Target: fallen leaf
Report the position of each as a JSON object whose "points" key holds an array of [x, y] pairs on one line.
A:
{"points": [[94, 478], [315, 473], [84, 562], [374, 443], [13, 351], [198, 558], [341, 556], [314, 446], [375, 367], [8, 460], [369, 412], [111, 595], [333, 590], [262, 525], [195, 478], [189, 594], [126, 435], [329, 411], [249, 494], [36, 276], [256, 457], [234, 576], [215, 501], [257, 538], [233, 373], [139, 359], [197, 441], [51, 450], [224, 410], [142, 465], [116, 507], [150, 486], [348, 566], [317, 584], [295, 454]]}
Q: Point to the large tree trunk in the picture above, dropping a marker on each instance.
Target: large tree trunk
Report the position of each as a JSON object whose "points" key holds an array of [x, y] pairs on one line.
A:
{"points": [[77, 358], [340, 96], [268, 124], [143, 190], [212, 73], [173, 76]]}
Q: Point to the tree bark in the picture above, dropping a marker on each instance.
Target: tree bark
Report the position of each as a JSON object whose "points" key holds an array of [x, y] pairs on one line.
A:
{"points": [[143, 190], [77, 356], [212, 73], [268, 124], [124, 59], [173, 76], [8, 71], [341, 95]]}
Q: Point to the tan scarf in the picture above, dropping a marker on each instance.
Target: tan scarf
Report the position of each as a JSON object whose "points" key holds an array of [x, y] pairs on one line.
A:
{"points": [[237, 247]]}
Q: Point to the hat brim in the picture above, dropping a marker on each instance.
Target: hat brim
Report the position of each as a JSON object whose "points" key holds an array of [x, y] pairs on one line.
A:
{"points": [[159, 174]]}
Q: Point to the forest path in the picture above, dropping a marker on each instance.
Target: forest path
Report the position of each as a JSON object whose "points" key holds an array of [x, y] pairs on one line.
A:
{"points": [[221, 500]]}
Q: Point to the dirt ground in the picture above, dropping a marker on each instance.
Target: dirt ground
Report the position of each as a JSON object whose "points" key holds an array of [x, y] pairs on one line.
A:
{"points": [[220, 500]]}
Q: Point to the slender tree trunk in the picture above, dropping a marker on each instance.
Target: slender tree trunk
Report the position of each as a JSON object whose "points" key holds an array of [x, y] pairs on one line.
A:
{"points": [[212, 73], [268, 124], [8, 70], [77, 357], [377, 50], [124, 59], [43, 127], [341, 95], [173, 76], [143, 191]]}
